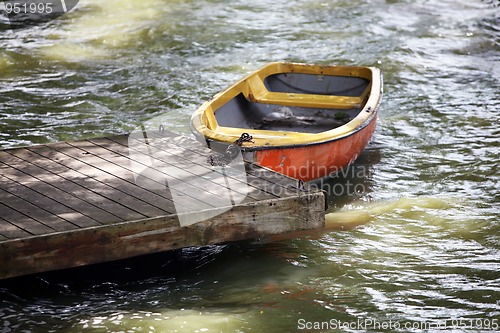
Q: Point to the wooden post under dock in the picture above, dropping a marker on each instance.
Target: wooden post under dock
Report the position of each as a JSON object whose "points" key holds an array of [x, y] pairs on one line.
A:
{"points": [[78, 203]]}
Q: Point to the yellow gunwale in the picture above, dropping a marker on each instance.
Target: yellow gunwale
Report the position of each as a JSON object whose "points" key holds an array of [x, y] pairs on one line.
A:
{"points": [[252, 86]]}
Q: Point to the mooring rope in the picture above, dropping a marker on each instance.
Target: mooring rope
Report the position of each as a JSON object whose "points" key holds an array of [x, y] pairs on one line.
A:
{"points": [[231, 151]]}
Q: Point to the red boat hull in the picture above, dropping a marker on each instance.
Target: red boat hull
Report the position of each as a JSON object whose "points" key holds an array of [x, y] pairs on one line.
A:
{"points": [[316, 160]]}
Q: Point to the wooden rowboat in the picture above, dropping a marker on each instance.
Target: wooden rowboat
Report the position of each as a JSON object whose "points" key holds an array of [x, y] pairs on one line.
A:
{"points": [[305, 121]]}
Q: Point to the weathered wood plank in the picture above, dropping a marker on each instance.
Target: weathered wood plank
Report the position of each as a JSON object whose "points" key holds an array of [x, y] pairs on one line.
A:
{"points": [[25, 220], [178, 151], [190, 145], [81, 198], [9, 230], [120, 155], [128, 239], [118, 177], [212, 193], [275, 178], [156, 194], [254, 177], [118, 202], [193, 168], [121, 179], [69, 209], [37, 206], [197, 166]]}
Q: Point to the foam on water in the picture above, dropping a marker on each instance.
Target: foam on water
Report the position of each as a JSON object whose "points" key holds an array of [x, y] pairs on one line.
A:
{"points": [[167, 321], [5, 62], [350, 217]]}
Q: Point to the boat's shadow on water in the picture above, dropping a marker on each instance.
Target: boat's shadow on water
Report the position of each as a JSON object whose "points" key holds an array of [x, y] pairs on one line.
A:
{"points": [[351, 184]]}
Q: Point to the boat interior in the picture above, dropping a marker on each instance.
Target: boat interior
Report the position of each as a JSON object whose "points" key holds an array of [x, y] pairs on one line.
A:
{"points": [[297, 102]]}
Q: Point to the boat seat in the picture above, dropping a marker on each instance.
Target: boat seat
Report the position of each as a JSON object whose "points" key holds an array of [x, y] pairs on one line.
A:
{"points": [[257, 92]]}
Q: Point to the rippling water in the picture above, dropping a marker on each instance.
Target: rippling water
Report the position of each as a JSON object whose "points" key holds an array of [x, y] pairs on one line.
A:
{"points": [[427, 185]]}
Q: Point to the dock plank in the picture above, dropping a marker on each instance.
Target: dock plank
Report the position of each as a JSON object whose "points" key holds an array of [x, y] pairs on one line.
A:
{"points": [[81, 185], [197, 166], [215, 180], [118, 201], [9, 230], [119, 155], [167, 151], [194, 186], [121, 179], [42, 184], [276, 183], [42, 208], [25, 220]]}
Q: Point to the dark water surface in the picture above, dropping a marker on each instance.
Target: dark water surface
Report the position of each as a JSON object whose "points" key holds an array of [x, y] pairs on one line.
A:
{"points": [[428, 184]]}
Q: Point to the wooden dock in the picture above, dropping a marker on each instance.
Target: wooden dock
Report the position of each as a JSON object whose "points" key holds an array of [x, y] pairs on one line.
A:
{"points": [[77, 203]]}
